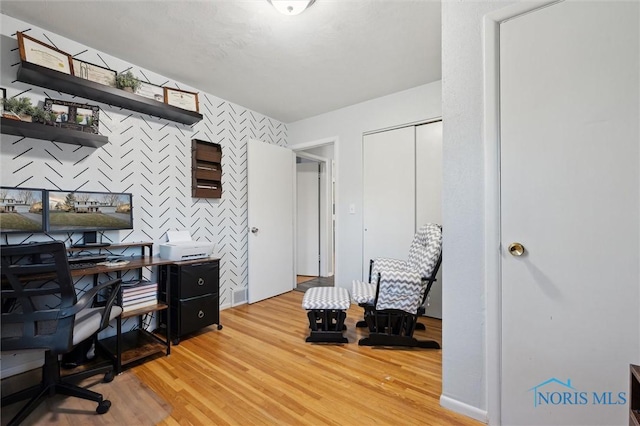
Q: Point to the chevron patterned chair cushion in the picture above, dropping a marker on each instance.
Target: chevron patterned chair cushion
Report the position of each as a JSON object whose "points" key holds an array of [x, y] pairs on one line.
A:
{"points": [[363, 293], [326, 298], [425, 249], [401, 290]]}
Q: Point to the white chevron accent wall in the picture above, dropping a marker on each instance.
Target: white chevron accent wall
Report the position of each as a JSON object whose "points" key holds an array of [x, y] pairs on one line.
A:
{"points": [[147, 156]]}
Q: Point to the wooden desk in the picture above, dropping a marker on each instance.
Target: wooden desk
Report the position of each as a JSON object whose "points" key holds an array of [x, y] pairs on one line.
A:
{"points": [[125, 348], [134, 263]]}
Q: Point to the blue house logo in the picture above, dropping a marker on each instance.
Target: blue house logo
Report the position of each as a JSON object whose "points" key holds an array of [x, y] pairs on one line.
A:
{"points": [[540, 396], [556, 392]]}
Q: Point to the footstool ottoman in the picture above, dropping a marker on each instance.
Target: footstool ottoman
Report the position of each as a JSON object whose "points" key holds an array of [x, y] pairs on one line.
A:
{"points": [[326, 308]]}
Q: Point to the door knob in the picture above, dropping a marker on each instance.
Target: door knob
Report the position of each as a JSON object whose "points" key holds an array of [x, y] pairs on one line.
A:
{"points": [[516, 249], [254, 230]]}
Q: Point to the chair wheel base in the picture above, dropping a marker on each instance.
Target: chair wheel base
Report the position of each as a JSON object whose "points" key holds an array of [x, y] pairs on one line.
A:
{"points": [[103, 406], [108, 377]]}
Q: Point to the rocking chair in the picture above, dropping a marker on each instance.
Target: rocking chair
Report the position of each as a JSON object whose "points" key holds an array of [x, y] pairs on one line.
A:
{"points": [[401, 289]]}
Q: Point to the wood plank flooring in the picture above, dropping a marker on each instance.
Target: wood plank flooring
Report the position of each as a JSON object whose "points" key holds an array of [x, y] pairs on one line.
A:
{"points": [[259, 370], [303, 278]]}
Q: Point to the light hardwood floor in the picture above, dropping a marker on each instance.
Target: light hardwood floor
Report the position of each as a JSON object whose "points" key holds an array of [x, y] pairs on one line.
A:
{"points": [[259, 370]]}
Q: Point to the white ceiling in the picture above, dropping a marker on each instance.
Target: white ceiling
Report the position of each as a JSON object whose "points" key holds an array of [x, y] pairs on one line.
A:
{"points": [[336, 53]]}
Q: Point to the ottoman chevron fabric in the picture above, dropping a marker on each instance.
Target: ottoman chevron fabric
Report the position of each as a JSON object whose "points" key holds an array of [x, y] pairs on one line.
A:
{"points": [[326, 298]]}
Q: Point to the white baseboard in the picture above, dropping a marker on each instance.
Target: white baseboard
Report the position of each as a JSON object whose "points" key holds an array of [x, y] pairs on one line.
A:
{"points": [[464, 409], [18, 362]]}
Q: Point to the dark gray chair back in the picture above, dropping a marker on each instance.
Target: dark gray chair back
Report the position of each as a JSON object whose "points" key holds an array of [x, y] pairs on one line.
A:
{"points": [[38, 296]]}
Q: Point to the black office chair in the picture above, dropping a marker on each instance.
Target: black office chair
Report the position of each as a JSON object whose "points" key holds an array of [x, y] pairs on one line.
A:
{"points": [[40, 310]]}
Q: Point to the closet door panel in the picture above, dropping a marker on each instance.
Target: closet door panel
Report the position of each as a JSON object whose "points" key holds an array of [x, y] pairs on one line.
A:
{"points": [[389, 194]]}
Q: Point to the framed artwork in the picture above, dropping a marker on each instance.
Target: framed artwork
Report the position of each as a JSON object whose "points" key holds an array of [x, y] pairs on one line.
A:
{"points": [[39, 53], [150, 91], [73, 115], [181, 99], [94, 73]]}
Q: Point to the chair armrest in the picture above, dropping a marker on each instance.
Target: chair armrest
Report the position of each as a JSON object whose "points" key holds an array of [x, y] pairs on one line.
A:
{"points": [[111, 301], [88, 297]]}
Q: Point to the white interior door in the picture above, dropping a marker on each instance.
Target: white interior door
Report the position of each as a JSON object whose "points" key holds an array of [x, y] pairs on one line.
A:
{"points": [[270, 175], [429, 195], [389, 194], [308, 218], [570, 190]]}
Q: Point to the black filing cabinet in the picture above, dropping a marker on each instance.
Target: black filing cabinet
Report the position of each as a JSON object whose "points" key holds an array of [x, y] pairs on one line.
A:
{"points": [[194, 287]]}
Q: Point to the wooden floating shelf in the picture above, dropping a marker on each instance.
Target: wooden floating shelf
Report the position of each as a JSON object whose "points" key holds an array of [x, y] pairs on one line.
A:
{"points": [[51, 79], [51, 133]]}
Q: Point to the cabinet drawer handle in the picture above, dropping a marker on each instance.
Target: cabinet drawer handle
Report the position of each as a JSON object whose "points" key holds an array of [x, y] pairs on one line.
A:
{"points": [[200, 314], [200, 281]]}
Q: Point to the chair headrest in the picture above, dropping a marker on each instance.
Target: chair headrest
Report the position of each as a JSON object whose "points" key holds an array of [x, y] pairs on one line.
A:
{"points": [[426, 248]]}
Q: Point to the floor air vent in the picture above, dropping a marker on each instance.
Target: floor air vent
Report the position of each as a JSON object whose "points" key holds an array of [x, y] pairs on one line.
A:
{"points": [[239, 296]]}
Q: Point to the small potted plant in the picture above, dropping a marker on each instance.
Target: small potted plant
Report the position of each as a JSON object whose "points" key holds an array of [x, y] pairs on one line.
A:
{"points": [[39, 115], [8, 106], [127, 81], [25, 109], [17, 108]]}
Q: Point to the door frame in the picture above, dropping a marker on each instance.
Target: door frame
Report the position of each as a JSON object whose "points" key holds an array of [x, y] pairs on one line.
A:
{"points": [[492, 229], [331, 191]]}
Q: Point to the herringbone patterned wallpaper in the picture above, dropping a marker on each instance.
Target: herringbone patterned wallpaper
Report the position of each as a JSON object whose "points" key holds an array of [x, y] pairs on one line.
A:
{"points": [[146, 156]]}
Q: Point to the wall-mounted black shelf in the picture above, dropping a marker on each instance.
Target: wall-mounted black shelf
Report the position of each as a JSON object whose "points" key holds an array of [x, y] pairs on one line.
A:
{"points": [[51, 133], [51, 79]]}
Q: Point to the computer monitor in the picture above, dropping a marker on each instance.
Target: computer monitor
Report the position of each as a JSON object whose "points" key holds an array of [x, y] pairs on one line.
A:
{"points": [[81, 211], [22, 210]]}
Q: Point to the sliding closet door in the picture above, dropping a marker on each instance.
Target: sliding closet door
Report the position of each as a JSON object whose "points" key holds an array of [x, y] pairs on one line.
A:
{"points": [[429, 194], [389, 194]]}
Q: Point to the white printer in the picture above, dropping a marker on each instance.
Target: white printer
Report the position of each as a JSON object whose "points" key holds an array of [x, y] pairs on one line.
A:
{"points": [[180, 246]]}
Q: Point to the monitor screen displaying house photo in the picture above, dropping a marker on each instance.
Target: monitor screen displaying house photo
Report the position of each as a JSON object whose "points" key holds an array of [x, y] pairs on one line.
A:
{"points": [[21, 210], [89, 211]]}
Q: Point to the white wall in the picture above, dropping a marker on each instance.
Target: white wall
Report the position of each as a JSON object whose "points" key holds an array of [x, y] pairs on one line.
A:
{"points": [[464, 372], [348, 124]]}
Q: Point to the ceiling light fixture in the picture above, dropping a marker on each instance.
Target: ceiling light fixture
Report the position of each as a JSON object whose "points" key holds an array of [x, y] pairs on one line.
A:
{"points": [[291, 7]]}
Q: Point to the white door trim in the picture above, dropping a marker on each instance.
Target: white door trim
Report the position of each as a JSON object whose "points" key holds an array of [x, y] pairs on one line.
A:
{"points": [[314, 144], [493, 343]]}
